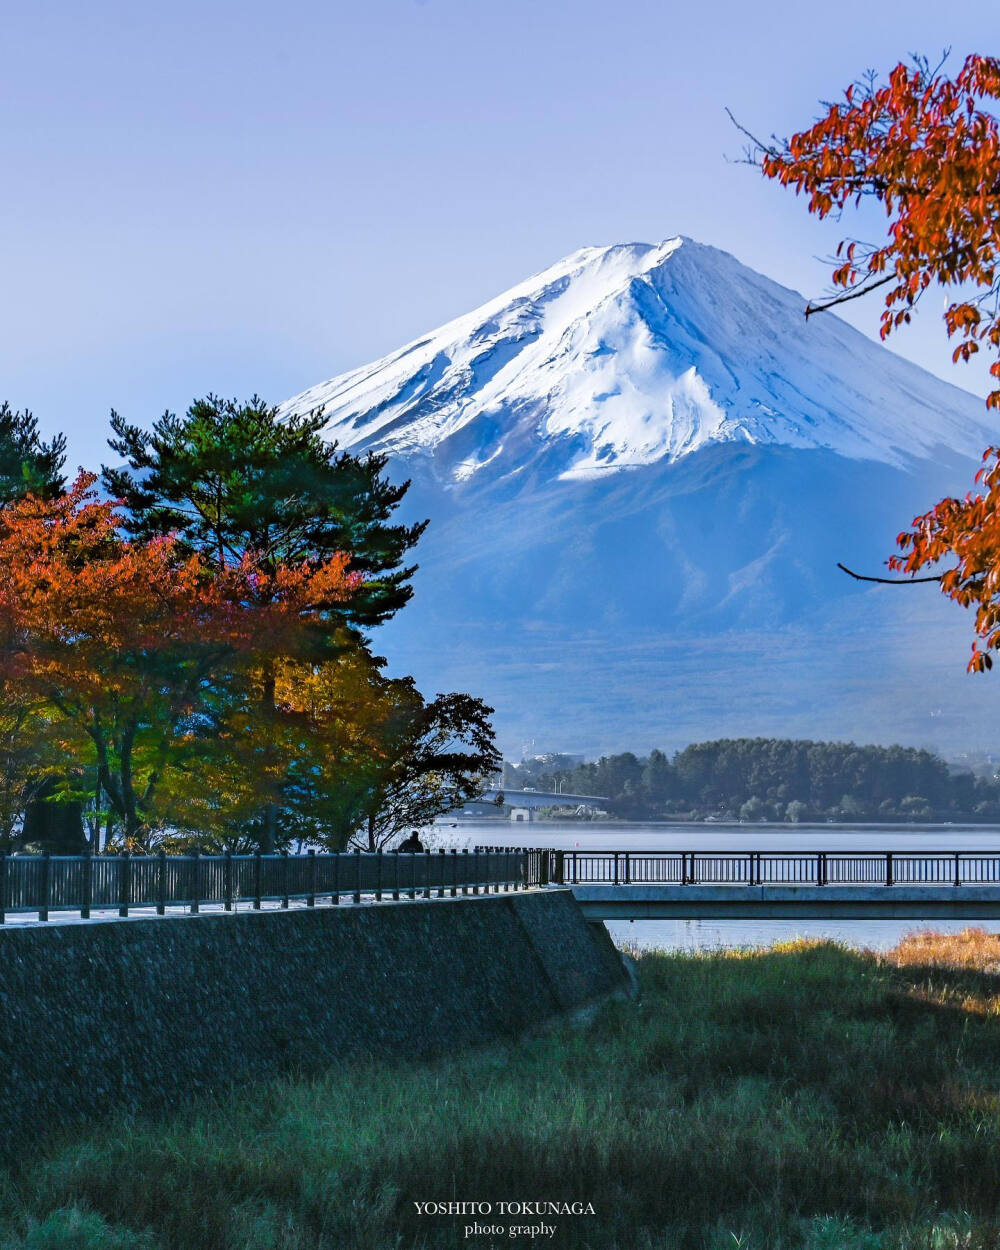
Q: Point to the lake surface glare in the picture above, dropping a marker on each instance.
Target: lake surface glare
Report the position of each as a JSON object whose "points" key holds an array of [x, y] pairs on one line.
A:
{"points": [[702, 934]]}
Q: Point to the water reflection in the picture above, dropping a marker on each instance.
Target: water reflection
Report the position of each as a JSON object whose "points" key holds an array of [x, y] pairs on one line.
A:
{"points": [[692, 935]]}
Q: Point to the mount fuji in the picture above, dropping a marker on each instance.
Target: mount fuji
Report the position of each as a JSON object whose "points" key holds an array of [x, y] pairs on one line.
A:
{"points": [[642, 466]]}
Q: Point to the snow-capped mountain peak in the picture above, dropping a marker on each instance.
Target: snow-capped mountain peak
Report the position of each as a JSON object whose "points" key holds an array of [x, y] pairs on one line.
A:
{"points": [[623, 356]]}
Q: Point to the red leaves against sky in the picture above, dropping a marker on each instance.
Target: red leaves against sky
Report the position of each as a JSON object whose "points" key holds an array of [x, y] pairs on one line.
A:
{"points": [[968, 530], [926, 147]]}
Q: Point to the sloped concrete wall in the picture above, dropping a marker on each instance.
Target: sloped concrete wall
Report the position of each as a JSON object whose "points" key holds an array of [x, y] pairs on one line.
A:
{"points": [[106, 1017]]}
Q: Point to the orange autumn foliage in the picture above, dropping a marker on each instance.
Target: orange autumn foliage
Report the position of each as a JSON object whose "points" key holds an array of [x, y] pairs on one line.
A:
{"points": [[924, 148], [120, 637], [967, 530], [927, 148], [73, 585]]}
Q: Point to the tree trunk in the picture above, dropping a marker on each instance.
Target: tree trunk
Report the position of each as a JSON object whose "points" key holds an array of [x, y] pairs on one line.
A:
{"points": [[56, 827], [269, 831]]}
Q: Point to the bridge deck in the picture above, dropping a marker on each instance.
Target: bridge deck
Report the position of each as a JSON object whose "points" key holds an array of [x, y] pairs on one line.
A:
{"points": [[789, 902], [782, 885], [540, 798]]}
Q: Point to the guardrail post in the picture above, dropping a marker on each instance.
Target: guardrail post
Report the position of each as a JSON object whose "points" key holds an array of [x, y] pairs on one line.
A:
{"points": [[284, 879], [628, 867], [357, 874], [395, 877], [43, 910], [441, 863], [195, 883], [3, 888], [161, 887], [88, 884], [475, 871], [378, 876], [888, 867], [616, 868], [427, 873], [454, 872], [258, 875], [227, 879], [821, 868], [335, 893], [958, 874], [125, 885], [465, 870], [311, 896]]}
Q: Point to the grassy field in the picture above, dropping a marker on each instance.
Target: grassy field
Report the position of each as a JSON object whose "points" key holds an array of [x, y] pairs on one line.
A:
{"points": [[806, 1096]]}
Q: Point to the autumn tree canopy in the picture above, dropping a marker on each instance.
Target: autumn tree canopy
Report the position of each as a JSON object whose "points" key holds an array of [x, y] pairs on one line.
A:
{"points": [[926, 147], [189, 660], [28, 767], [122, 637], [232, 478]]}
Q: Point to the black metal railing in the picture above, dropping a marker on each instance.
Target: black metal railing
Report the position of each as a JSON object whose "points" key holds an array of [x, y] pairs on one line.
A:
{"points": [[753, 868], [88, 883]]}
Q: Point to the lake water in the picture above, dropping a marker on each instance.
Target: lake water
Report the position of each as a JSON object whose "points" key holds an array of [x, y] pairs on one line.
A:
{"points": [[712, 934]]}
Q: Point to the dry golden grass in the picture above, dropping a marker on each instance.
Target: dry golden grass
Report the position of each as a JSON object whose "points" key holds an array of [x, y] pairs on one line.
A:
{"points": [[972, 949]]}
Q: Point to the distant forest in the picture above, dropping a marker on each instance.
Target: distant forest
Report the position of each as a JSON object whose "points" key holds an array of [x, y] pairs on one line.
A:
{"points": [[772, 779]]}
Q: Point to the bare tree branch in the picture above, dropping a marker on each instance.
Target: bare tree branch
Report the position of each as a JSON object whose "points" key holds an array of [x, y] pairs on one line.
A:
{"points": [[853, 294], [887, 581]]}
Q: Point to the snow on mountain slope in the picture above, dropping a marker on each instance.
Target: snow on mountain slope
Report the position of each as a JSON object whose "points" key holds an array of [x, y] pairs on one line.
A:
{"points": [[642, 467], [634, 354]]}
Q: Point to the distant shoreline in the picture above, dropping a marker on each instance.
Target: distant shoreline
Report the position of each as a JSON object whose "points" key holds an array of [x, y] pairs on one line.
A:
{"points": [[776, 826]]}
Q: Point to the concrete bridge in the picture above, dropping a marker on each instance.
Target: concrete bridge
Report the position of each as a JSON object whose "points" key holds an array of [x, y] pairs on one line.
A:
{"points": [[638, 902], [523, 803], [870, 885]]}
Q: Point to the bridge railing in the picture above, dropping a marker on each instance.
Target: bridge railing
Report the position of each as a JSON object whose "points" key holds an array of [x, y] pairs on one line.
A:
{"points": [[754, 868], [43, 884]]}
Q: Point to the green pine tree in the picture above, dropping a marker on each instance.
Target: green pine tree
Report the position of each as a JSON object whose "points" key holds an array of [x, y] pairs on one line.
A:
{"points": [[233, 476], [27, 465]]}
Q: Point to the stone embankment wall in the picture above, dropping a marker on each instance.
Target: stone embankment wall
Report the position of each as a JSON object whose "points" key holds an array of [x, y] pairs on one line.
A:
{"points": [[101, 1018]]}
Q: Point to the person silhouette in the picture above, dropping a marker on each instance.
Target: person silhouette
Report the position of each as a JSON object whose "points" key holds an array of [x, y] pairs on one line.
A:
{"points": [[412, 843]]}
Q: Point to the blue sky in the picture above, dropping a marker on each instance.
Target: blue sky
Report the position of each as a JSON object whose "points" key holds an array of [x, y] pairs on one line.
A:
{"points": [[252, 196]]}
